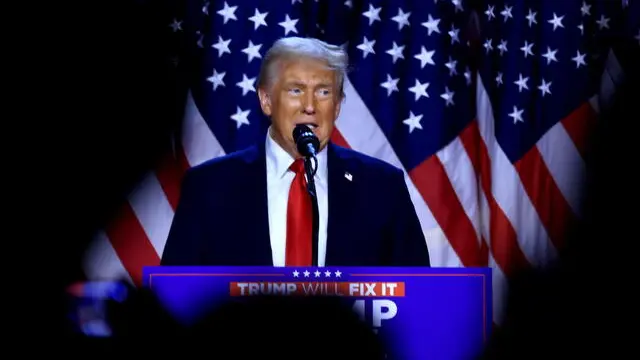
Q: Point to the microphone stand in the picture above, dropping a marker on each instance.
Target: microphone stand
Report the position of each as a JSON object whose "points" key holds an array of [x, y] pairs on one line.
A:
{"points": [[310, 168]]}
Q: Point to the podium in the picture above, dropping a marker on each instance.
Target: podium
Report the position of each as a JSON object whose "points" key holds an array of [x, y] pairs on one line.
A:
{"points": [[423, 313]]}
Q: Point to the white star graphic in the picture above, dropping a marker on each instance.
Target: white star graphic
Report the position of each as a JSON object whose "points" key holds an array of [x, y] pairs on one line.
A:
{"points": [[241, 117], [585, 9], [488, 45], [489, 12], [252, 51], [499, 79], [367, 47], [526, 48], [458, 5], [432, 25], [506, 13], [516, 115], [246, 84], [200, 39], [373, 14], [579, 59], [425, 57], [544, 87], [447, 95], [222, 46], [402, 19], [556, 21], [603, 23], [413, 122], [228, 12], [419, 90], [258, 19], [289, 25], [391, 85], [532, 17], [453, 33], [295, 273], [522, 83], [317, 273], [502, 47], [176, 25], [451, 65], [338, 273], [467, 75], [550, 55], [327, 273], [216, 79], [306, 273], [396, 52]]}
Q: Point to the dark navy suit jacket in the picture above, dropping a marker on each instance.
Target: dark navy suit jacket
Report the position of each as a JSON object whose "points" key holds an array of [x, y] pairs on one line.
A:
{"points": [[221, 218]]}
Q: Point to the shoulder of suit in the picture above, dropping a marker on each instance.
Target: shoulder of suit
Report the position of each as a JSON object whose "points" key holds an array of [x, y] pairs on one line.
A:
{"points": [[225, 162], [367, 162]]}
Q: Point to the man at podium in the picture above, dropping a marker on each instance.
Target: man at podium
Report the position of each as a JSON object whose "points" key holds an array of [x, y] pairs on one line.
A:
{"points": [[256, 207]]}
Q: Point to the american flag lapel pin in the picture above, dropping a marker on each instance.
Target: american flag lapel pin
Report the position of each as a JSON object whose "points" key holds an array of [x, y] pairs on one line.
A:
{"points": [[348, 176]]}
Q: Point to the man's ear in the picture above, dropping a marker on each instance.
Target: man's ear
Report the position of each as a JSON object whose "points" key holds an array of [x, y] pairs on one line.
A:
{"points": [[265, 101]]}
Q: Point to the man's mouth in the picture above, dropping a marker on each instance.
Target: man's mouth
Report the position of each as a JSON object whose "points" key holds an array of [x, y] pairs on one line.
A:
{"points": [[313, 126]]}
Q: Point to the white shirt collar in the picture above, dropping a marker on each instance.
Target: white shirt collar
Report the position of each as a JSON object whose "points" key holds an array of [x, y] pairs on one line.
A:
{"points": [[279, 161]]}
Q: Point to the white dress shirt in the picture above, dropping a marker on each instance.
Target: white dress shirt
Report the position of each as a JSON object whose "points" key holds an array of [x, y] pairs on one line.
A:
{"points": [[279, 179]]}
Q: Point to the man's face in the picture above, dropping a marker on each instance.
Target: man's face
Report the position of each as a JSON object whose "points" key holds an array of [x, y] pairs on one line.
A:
{"points": [[304, 92]]}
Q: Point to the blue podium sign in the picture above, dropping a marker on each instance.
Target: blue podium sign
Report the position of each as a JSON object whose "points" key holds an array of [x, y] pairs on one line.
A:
{"points": [[425, 313]]}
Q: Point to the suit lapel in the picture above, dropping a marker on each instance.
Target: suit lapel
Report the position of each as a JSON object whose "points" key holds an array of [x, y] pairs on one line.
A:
{"points": [[340, 206], [256, 214]]}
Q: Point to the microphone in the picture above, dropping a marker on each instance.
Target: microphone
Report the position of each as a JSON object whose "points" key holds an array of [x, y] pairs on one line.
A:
{"points": [[306, 141]]}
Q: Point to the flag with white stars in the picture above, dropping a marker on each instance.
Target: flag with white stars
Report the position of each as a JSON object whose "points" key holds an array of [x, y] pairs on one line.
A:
{"points": [[486, 109]]}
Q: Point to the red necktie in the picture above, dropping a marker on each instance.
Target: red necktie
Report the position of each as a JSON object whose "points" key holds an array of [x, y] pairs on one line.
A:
{"points": [[299, 220]]}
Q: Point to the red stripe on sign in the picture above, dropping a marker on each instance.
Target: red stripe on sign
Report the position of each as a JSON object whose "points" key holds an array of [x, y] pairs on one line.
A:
{"points": [[432, 182], [503, 238], [554, 210], [580, 125], [131, 243]]}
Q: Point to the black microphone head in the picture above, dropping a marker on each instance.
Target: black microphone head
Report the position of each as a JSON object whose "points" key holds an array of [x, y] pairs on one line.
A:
{"points": [[306, 141]]}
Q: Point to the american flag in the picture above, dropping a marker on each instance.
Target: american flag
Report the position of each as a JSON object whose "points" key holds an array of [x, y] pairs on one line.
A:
{"points": [[487, 106]]}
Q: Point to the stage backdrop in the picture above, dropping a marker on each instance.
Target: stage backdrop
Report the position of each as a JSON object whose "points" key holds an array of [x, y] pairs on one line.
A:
{"points": [[486, 106]]}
